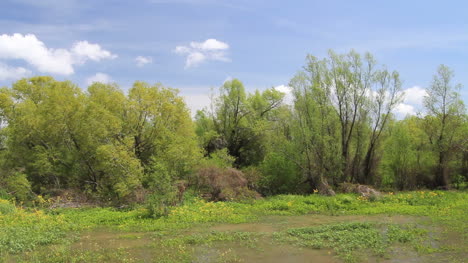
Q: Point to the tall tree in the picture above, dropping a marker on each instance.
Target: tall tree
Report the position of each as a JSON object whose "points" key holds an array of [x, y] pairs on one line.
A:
{"points": [[351, 80], [382, 101], [239, 121], [315, 125], [444, 120]]}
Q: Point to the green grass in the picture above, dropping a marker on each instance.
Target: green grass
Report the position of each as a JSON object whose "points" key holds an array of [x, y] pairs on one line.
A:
{"points": [[29, 230], [351, 240]]}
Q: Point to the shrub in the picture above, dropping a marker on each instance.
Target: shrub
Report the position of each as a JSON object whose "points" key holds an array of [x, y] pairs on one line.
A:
{"points": [[6, 207], [219, 184], [163, 192], [280, 175], [18, 186], [219, 158]]}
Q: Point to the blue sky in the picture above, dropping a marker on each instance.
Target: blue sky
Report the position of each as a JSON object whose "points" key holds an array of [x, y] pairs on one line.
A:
{"points": [[194, 45]]}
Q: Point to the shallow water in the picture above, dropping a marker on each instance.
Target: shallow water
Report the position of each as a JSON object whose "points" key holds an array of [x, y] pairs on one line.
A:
{"points": [[145, 247]]}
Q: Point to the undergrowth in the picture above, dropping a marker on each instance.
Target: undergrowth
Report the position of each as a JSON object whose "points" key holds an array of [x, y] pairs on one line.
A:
{"points": [[352, 240], [26, 229]]}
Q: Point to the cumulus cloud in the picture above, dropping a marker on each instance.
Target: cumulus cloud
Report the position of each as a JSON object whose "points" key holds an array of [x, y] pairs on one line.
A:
{"points": [[412, 103], [288, 97], [403, 109], [283, 88], [414, 95], [49, 60], [199, 52], [142, 61], [7, 72], [83, 50], [99, 77]]}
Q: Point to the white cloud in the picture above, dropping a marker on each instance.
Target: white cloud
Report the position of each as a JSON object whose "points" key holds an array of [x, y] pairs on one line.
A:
{"points": [[142, 61], [49, 60], [412, 103], [197, 102], [7, 72], [83, 50], [402, 110], [414, 95], [283, 88], [209, 44], [198, 52], [288, 97], [194, 59], [99, 77]]}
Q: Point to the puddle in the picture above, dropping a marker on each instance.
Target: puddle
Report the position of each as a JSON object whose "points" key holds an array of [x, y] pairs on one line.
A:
{"points": [[102, 239], [272, 224], [405, 255], [143, 247], [264, 252]]}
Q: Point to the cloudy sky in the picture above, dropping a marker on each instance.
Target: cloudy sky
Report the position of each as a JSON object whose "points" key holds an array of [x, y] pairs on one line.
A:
{"points": [[195, 45]]}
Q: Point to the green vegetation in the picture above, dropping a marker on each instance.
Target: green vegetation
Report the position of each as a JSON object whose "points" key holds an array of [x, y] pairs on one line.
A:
{"points": [[26, 233], [134, 168], [350, 239]]}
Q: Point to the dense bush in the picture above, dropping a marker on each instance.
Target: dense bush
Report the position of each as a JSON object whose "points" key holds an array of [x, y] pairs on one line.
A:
{"points": [[100, 141], [16, 185], [220, 184]]}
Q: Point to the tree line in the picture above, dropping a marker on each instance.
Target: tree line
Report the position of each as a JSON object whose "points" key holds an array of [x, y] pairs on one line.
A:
{"points": [[339, 127]]}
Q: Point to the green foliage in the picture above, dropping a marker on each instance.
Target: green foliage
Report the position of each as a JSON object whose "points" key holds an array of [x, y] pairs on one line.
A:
{"points": [[238, 121], [24, 231], [6, 207], [122, 170], [280, 175], [351, 240], [219, 158], [100, 141], [17, 186], [33, 230], [444, 123], [163, 194]]}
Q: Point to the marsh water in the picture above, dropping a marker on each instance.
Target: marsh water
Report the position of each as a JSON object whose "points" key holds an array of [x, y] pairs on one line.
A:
{"points": [[147, 246]]}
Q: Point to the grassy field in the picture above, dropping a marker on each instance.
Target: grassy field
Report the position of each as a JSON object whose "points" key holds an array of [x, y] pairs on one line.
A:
{"points": [[420, 226]]}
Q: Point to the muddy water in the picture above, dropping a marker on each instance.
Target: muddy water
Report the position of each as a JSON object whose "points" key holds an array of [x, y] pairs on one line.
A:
{"points": [[264, 252], [103, 238], [144, 247], [278, 223]]}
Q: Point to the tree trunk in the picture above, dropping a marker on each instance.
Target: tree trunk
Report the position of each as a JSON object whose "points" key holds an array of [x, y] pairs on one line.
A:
{"points": [[367, 175], [441, 178], [324, 188]]}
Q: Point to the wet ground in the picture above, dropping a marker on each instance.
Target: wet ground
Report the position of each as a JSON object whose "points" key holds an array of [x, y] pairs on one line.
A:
{"points": [[148, 247]]}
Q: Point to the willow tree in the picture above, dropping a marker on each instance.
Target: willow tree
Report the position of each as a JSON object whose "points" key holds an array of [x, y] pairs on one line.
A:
{"points": [[342, 104], [351, 79], [54, 131], [315, 126], [383, 101], [99, 141], [446, 115], [238, 121]]}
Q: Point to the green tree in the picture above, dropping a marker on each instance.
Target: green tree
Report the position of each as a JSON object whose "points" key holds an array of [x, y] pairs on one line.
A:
{"points": [[314, 126], [99, 141], [382, 102], [444, 122], [238, 121]]}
